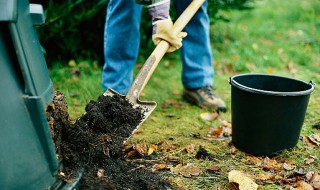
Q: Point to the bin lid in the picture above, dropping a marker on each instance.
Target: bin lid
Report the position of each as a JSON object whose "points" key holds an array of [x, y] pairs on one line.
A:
{"points": [[8, 10]]}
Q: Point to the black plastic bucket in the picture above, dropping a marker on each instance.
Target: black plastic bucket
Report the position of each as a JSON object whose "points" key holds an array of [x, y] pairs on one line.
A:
{"points": [[267, 112]]}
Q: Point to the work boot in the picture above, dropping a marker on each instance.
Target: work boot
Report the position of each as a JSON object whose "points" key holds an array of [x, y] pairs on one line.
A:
{"points": [[205, 98]]}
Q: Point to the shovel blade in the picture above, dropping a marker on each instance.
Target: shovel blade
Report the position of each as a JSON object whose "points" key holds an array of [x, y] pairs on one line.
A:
{"points": [[146, 107]]}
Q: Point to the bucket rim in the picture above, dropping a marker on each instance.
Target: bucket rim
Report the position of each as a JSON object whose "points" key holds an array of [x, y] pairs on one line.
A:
{"points": [[266, 92]]}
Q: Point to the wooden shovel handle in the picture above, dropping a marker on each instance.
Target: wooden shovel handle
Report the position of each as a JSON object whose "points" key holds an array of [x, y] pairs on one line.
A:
{"points": [[153, 60]]}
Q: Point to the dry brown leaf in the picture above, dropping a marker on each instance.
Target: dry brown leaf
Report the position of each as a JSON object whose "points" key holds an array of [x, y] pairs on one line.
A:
{"points": [[132, 153], [291, 68], [270, 70], [315, 181], [288, 167], [256, 161], [310, 159], [173, 159], [213, 168], [190, 149], [158, 167], [225, 123], [166, 147], [309, 175], [227, 131], [152, 148], [227, 68], [175, 91], [215, 132], [289, 180], [264, 177], [269, 164], [315, 139], [100, 173], [174, 103], [138, 131], [140, 148], [209, 116], [61, 174], [244, 182], [188, 170], [302, 185], [251, 67], [233, 150], [300, 171]]}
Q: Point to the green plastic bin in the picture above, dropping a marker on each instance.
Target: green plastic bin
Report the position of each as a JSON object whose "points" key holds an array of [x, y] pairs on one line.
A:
{"points": [[27, 154]]}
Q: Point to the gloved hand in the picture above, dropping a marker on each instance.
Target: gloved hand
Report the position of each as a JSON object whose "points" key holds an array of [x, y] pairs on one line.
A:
{"points": [[162, 26]]}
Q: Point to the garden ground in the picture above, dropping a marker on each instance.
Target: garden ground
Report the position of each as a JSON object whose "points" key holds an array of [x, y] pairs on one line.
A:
{"points": [[276, 37]]}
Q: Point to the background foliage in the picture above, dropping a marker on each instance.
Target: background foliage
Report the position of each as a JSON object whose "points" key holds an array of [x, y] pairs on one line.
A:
{"points": [[74, 28]]}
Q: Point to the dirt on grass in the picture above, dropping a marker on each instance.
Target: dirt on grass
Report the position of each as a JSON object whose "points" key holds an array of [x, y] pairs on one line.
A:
{"points": [[94, 144]]}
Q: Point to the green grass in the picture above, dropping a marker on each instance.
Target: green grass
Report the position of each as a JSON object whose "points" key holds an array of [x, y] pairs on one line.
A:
{"points": [[276, 37]]}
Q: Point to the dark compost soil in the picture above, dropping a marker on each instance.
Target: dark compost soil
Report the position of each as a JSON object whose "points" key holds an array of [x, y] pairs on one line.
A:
{"points": [[95, 143]]}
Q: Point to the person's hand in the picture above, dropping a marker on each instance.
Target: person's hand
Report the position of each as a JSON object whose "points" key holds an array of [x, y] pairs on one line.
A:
{"points": [[162, 26]]}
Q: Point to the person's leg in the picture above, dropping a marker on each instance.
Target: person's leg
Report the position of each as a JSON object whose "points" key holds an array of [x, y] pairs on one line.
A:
{"points": [[121, 44], [196, 54]]}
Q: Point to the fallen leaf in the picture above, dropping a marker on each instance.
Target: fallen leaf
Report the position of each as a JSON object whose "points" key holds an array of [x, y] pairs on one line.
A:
{"points": [[209, 116], [269, 164], [100, 173], [264, 177], [291, 68], [166, 147], [228, 68], [140, 148], [158, 167], [300, 172], [174, 103], [288, 180], [132, 153], [76, 103], [213, 168], [215, 132], [62, 174], [233, 150], [167, 63], [138, 131], [288, 167], [309, 175], [225, 123], [152, 148], [227, 131], [190, 149], [315, 139], [251, 67], [188, 170], [175, 91], [269, 70], [244, 182], [310, 159], [173, 159], [302, 185], [256, 161], [315, 181]]}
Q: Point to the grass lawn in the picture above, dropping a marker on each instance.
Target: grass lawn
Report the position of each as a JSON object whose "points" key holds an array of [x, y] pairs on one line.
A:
{"points": [[276, 37]]}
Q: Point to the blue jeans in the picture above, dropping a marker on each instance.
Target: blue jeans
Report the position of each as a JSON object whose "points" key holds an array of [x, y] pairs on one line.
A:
{"points": [[122, 40]]}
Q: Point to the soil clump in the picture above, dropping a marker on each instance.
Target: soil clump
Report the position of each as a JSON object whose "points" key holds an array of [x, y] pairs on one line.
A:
{"points": [[94, 143]]}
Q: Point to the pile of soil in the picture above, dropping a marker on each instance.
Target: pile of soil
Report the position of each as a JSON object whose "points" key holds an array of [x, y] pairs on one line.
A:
{"points": [[95, 143]]}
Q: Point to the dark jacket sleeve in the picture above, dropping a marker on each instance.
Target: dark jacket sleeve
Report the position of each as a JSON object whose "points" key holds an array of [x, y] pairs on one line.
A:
{"points": [[147, 2]]}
